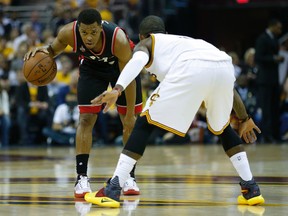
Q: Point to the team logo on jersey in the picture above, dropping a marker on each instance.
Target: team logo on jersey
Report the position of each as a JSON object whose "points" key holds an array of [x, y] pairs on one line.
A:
{"points": [[82, 49], [152, 74], [103, 59], [153, 98]]}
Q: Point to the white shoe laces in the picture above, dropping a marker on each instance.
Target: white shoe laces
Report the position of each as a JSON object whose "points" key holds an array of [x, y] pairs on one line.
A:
{"points": [[83, 182]]}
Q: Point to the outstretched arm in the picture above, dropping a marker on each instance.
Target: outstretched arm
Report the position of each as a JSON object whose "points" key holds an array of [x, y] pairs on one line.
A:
{"points": [[129, 73]]}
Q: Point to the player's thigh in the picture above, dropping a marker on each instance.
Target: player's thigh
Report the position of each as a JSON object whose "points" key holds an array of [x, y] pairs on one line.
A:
{"points": [[122, 99], [219, 103], [89, 87], [175, 104]]}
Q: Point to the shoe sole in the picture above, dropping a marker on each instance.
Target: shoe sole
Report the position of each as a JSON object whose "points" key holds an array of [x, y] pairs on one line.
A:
{"points": [[253, 201], [101, 201], [80, 195], [131, 192]]}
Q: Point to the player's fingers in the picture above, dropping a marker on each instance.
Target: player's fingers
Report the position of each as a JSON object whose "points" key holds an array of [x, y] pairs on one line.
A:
{"points": [[97, 100], [253, 136], [245, 137], [257, 129], [106, 108], [250, 138], [34, 52], [27, 56], [240, 132], [45, 50]]}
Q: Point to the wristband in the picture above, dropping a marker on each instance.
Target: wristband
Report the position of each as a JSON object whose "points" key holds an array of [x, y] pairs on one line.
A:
{"points": [[118, 90], [50, 50], [244, 120]]}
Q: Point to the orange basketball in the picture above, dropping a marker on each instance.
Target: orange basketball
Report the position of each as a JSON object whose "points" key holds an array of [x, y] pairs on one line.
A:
{"points": [[40, 69]]}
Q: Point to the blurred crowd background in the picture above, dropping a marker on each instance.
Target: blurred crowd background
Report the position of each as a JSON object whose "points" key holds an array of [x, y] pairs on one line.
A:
{"points": [[28, 114]]}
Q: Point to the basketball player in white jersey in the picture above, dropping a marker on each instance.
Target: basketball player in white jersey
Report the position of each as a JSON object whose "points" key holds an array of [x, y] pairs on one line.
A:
{"points": [[190, 72]]}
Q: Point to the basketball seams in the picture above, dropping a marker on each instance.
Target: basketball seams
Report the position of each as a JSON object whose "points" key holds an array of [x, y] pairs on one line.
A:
{"points": [[49, 75], [39, 67], [47, 70], [34, 66]]}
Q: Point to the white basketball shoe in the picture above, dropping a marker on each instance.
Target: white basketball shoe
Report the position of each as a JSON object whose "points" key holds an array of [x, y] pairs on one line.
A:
{"points": [[82, 187], [130, 187]]}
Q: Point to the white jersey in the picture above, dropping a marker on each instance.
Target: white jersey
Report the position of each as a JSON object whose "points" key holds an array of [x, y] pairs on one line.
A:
{"points": [[190, 72], [171, 49]]}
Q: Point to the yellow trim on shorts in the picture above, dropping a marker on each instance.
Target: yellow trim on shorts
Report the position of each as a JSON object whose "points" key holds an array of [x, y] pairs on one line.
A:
{"points": [[150, 121], [152, 52], [218, 132]]}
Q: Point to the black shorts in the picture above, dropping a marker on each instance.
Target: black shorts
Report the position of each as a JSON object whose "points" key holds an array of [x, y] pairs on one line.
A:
{"points": [[92, 83]]}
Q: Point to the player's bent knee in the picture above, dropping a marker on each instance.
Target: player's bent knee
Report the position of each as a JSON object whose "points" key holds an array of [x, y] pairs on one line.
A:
{"points": [[230, 138], [138, 139]]}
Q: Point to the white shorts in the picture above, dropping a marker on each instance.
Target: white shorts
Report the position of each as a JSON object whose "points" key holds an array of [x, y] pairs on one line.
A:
{"points": [[175, 102]]}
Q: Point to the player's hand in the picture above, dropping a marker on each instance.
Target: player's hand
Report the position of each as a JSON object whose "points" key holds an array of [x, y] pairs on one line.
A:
{"points": [[98, 99], [108, 98], [246, 130], [128, 125], [32, 52]]}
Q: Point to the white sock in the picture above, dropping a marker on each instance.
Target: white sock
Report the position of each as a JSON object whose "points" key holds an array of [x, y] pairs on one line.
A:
{"points": [[123, 169], [241, 164]]}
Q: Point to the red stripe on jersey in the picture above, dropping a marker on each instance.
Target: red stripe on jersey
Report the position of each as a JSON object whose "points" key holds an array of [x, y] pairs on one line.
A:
{"points": [[132, 45], [74, 36], [89, 109], [114, 39], [122, 109]]}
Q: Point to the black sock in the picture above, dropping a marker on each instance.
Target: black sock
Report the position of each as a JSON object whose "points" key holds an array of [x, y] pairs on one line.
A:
{"points": [[132, 173], [81, 164]]}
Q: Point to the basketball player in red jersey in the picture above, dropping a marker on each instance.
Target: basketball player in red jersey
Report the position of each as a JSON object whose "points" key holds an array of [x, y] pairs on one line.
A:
{"points": [[104, 50]]}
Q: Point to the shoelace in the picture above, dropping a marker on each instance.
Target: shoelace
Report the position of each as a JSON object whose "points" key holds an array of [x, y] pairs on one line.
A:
{"points": [[130, 182], [83, 182]]}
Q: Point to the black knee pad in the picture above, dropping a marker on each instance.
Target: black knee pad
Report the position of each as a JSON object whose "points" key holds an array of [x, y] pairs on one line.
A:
{"points": [[139, 137], [229, 138]]}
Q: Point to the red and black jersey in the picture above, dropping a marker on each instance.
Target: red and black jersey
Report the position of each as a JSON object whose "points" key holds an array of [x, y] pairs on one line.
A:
{"points": [[97, 70], [104, 61]]}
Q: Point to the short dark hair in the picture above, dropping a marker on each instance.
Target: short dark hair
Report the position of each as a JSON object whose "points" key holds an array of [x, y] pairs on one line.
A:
{"points": [[151, 24], [89, 16]]}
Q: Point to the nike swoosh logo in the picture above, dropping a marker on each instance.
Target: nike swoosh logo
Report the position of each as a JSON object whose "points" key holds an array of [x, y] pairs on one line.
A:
{"points": [[104, 200]]}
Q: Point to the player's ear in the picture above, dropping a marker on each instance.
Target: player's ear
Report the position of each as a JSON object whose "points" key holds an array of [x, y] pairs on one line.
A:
{"points": [[139, 36]]}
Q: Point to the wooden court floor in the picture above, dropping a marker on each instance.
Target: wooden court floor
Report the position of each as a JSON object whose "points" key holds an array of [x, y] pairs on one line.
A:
{"points": [[174, 180]]}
